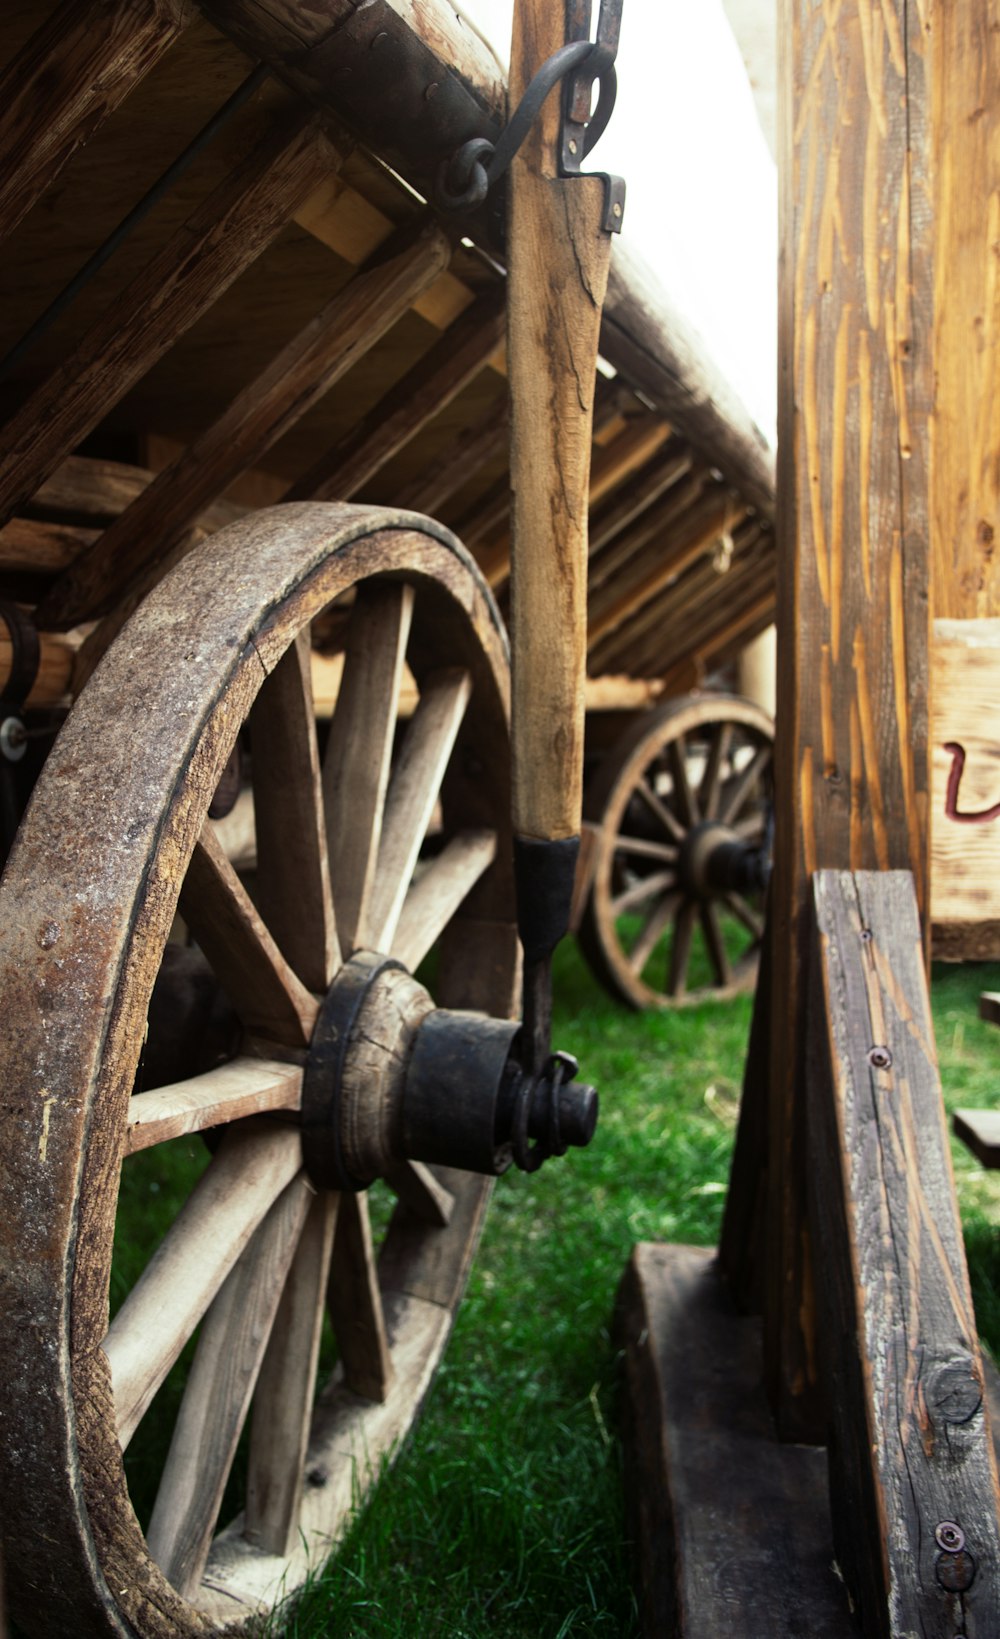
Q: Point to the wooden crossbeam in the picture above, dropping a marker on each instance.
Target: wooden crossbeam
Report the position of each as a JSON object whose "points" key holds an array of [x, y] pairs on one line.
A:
{"points": [[609, 563], [424, 391], [335, 339], [912, 1468], [217, 242], [630, 500], [59, 89], [479, 445], [650, 571]]}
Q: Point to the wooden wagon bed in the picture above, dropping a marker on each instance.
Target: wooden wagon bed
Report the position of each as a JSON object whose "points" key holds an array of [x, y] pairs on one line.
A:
{"points": [[288, 319]]}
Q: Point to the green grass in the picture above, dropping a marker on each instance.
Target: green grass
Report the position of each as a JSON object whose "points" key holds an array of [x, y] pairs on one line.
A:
{"points": [[504, 1514]]}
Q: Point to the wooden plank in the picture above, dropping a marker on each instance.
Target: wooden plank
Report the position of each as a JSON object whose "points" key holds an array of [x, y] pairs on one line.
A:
{"points": [[476, 447], [231, 1345], [265, 992], [630, 501], [965, 789], [910, 1446], [614, 463], [268, 407], [852, 753], [293, 874], [355, 1303], [965, 483], [42, 548], [558, 255], [283, 1403], [979, 1131], [732, 1528], [83, 61], [424, 391], [245, 1086], [221, 238], [649, 572], [246, 1176]]}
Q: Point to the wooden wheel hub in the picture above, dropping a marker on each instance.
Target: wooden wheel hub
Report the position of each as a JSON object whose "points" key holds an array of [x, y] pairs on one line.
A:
{"points": [[715, 859], [390, 1078]]}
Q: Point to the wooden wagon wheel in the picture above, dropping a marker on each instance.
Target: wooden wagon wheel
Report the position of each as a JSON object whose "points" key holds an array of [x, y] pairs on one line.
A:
{"points": [[116, 831], [688, 781]]}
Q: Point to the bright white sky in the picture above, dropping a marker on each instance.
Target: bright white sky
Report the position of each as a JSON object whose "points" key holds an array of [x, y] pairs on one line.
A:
{"points": [[702, 190]]}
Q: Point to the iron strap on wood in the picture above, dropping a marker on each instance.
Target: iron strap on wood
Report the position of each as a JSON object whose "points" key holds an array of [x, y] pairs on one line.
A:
{"points": [[464, 180]]}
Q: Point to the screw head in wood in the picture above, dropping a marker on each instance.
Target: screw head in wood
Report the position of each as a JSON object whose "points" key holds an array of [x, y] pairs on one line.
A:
{"points": [[879, 1058], [950, 1537]]}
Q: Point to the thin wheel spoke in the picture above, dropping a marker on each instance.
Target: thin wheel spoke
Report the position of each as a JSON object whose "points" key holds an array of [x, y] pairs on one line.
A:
{"points": [[359, 752], [708, 791], [745, 913], [645, 888], [283, 1403], [656, 924], [711, 927], [680, 950], [416, 1185], [751, 828], [686, 800], [355, 1303], [413, 792], [265, 992], [648, 850], [293, 876], [671, 824], [217, 1396], [743, 785], [436, 894], [244, 1086], [247, 1174]]}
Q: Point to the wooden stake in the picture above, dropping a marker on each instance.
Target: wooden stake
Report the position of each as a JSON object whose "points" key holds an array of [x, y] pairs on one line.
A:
{"points": [[558, 270]]}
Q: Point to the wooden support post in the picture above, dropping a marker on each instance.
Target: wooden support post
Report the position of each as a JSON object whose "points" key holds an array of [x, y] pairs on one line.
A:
{"points": [[285, 390], [73, 72], [912, 1471], [221, 238], [423, 393], [851, 755]]}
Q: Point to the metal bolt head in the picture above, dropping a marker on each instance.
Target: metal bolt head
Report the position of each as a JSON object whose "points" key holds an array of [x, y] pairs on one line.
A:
{"points": [[572, 145], [879, 1058], [950, 1537], [13, 739]]}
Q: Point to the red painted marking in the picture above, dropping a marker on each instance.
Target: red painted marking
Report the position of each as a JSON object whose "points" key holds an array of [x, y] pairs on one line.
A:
{"points": [[984, 815]]}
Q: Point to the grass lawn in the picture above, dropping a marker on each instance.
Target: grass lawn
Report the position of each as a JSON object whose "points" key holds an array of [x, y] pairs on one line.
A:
{"points": [[504, 1514]]}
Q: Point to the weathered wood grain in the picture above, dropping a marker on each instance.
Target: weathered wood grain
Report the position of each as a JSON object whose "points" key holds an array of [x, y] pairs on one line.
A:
{"points": [[965, 789], [855, 334], [221, 238], [82, 62], [910, 1446], [355, 1303], [558, 258], [269, 406]]}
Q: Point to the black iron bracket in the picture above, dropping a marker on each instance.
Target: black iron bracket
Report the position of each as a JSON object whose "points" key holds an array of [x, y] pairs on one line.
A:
{"points": [[464, 180]]}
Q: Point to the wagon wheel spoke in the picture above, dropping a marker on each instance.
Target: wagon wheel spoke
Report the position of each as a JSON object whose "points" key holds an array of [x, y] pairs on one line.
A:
{"points": [[750, 828], [659, 919], [247, 1174], [244, 1086], [293, 876], [434, 897], [669, 821], [269, 998], [217, 1396], [711, 927], [355, 1303], [738, 793], [283, 1403], [359, 751], [642, 846], [708, 790], [680, 950], [424, 1194], [413, 792], [639, 892], [751, 919], [686, 799]]}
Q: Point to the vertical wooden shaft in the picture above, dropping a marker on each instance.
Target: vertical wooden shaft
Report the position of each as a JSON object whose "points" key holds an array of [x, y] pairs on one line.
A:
{"points": [[558, 265], [855, 375]]}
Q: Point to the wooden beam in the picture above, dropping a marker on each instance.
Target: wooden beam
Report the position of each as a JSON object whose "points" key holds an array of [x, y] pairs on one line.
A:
{"points": [[219, 240], [666, 515], [332, 341], [631, 500], [479, 445], [912, 1470], [613, 464], [649, 572], [852, 754], [60, 88], [424, 391]]}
